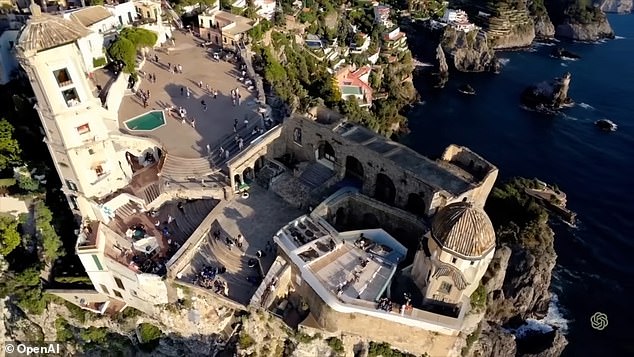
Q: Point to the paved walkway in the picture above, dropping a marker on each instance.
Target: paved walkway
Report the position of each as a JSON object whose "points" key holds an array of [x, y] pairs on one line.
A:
{"points": [[211, 126]]}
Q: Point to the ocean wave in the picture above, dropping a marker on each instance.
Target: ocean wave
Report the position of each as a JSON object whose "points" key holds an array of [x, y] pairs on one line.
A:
{"points": [[504, 61], [568, 117], [564, 64], [619, 38], [586, 106], [554, 319]]}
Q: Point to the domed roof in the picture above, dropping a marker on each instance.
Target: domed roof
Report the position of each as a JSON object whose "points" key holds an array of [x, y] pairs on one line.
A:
{"points": [[44, 31], [464, 229]]}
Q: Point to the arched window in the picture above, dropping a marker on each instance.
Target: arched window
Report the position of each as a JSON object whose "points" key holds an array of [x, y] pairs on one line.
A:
{"points": [[297, 136]]}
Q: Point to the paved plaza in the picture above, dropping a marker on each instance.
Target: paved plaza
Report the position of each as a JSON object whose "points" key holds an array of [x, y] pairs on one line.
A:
{"points": [[178, 138]]}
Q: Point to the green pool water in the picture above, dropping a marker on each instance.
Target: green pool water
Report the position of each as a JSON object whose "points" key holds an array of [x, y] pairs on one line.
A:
{"points": [[146, 122]]}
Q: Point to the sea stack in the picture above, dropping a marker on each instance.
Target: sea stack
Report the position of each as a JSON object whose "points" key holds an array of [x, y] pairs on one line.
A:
{"points": [[548, 97]]}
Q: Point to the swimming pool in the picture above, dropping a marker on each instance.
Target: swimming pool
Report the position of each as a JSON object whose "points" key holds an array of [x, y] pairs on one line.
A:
{"points": [[146, 122]]}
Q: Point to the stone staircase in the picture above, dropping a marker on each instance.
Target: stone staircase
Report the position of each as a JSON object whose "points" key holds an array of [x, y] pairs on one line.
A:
{"points": [[151, 192], [181, 168], [185, 222], [127, 210], [315, 174]]}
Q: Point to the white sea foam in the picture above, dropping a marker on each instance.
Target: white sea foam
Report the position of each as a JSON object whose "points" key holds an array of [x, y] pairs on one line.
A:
{"points": [[586, 106], [504, 61], [619, 38], [564, 64], [554, 319]]}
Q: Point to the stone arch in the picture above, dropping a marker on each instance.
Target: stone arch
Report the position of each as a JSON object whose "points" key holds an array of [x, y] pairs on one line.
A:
{"points": [[237, 181], [258, 164], [248, 175], [384, 190], [354, 171], [416, 204], [340, 218], [325, 151], [370, 221]]}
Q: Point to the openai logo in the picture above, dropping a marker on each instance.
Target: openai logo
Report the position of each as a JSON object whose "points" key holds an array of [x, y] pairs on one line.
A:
{"points": [[599, 321]]}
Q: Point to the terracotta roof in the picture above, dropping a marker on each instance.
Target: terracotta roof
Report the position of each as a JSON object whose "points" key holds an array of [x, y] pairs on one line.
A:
{"points": [[90, 15], [464, 229], [444, 269], [45, 31]]}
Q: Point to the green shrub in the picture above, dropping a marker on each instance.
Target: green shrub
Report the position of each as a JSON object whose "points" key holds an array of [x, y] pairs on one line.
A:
{"points": [[7, 182], [149, 332], [73, 280], [471, 339], [76, 312], [94, 335], [479, 298], [245, 341], [64, 332], [384, 349], [302, 337], [336, 345], [99, 62]]}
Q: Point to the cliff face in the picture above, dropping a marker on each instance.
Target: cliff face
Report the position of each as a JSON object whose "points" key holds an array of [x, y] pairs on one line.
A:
{"points": [[518, 280], [577, 21], [618, 6], [544, 28], [508, 24], [470, 51], [585, 32]]}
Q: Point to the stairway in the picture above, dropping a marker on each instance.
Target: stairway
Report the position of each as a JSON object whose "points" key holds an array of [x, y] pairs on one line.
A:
{"points": [[185, 222], [315, 174], [180, 168], [236, 264], [151, 192], [127, 210], [229, 143]]}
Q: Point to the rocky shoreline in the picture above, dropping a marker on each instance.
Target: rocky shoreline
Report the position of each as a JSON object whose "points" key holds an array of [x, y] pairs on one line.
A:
{"points": [[519, 276]]}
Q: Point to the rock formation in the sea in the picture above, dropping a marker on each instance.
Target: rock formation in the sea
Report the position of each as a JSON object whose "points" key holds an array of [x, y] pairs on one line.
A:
{"points": [[579, 20], [547, 96], [519, 276], [443, 68], [506, 23], [618, 6], [544, 28], [470, 51]]}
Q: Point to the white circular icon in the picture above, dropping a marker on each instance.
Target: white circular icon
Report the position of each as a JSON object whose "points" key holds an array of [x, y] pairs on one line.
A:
{"points": [[9, 348], [599, 321]]}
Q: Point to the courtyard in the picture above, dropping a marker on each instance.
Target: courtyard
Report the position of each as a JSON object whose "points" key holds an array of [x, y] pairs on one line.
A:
{"points": [[257, 218], [211, 126]]}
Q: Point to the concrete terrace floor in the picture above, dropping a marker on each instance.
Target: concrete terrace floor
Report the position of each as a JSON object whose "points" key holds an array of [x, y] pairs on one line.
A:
{"points": [[211, 126], [257, 218]]}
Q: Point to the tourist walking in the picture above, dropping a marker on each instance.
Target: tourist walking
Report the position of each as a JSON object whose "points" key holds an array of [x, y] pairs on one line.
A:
{"points": [[180, 207], [240, 144], [207, 88], [182, 90], [222, 151], [246, 122], [240, 240], [215, 94], [193, 122], [180, 69], [227, 154], [187, 92]]}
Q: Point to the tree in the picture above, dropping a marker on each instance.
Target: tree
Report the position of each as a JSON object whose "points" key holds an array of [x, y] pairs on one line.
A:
{"points": [[51, 243], [9, 147], [141, 38], [26, 288], [9, 236], [27, 183], [124, 50]]}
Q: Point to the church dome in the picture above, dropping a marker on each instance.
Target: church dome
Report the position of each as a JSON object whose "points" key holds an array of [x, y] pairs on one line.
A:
{"points": [[463, 229], [44, 31]]}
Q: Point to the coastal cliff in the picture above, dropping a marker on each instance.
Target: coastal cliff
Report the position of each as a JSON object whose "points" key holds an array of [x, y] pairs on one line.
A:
{"points": [[519, 277], [470, 52], [618, 6], [547, 97], [507, 24], [579, 20], [544, 27]]}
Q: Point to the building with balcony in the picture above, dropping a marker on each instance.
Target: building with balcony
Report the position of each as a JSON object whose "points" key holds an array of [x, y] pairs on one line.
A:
{"points": [[459, 20], [222, 28], [395, 40], [382, 15], [354, 83], [264, 8]]}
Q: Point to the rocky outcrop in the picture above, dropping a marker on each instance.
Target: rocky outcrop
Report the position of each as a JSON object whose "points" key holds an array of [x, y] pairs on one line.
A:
{"points": [[585, 32], [618, 6], [443, 68], [547, 96], [578, 22], [470, 51], [518, 282], [544, 27], [507, 24]]}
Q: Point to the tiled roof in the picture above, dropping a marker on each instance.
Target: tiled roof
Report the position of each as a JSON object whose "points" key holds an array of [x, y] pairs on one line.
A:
{"points": [[45, 31], [464, 229], [444, 269], [90, 15]]}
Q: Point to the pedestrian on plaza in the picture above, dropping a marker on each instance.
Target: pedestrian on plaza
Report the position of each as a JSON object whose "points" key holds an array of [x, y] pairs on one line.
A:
{"points": [[193, 122], [180, 207], [156, 59], [238, 97], [208, 149], [182, 90], [200, 84], [235, 128], [240, 240], [204, 107], [222, 151], [207, 88], [187, 92], [246, 122], [227, 154], [169, 65], [180, 68], [240, 144], [147, 94]]}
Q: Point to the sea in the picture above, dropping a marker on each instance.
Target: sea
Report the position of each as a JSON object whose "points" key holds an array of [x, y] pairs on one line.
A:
{"points": [[595, 264]]}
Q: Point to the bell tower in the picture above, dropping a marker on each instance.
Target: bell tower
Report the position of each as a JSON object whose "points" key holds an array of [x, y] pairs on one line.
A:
{"points": [[76, 125]]}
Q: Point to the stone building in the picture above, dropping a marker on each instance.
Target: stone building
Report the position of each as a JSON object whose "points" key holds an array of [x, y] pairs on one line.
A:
{"points": [[223, 28], [336, 150]]}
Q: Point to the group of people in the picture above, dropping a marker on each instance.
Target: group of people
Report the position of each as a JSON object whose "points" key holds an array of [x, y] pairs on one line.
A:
{"points": [[145, 96], [207, 279], [235, 96], [385, 304]]}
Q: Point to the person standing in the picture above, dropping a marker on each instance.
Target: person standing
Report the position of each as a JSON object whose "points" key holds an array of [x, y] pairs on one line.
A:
{"points": [[215, 94], [193, 122], [240, 240]]}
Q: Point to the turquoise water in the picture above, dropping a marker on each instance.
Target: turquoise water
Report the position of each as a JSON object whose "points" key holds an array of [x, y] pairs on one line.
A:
{"points": [[147, 122], [594, 269]]}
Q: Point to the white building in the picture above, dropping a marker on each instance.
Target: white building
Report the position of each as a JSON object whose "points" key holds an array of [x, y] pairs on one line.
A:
{"points": [[264, 8], [459, 20], [88, 151], [8, 64], [382, 15]]}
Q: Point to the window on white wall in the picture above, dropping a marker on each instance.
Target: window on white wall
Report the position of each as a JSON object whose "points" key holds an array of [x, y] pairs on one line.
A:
{"points": [[70, 97], [445, 288], [63, 77], [99, 170], [83, 129]]}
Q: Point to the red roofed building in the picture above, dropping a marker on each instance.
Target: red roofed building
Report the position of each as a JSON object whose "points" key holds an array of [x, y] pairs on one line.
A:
{"points": [[355, 83]]}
